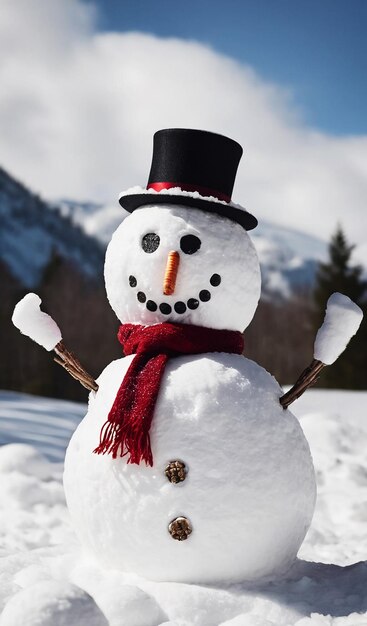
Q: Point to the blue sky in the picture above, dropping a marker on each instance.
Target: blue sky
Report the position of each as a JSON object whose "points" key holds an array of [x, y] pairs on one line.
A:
{"points": [[317, 48]]}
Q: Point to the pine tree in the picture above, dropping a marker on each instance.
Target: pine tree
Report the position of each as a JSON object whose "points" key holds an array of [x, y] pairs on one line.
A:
{"points": [[339, 274]]}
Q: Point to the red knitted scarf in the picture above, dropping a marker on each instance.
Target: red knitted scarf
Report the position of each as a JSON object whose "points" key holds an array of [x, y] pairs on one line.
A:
{"points": [[126, 431]]}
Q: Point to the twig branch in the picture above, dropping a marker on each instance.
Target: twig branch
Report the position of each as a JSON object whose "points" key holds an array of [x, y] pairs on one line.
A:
{"points": [[308, 378], [70, 363]]}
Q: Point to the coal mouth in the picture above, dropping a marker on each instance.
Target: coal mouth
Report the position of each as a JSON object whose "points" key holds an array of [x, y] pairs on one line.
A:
{"points": [[179, 307]]}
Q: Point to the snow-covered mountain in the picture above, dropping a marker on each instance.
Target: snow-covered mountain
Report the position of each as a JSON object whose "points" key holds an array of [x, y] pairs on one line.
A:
{"points": [[288, 257], [97, 220], [30, 233]]}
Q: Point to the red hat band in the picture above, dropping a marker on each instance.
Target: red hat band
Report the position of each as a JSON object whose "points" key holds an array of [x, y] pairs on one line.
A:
{"points": [[203, 191]]}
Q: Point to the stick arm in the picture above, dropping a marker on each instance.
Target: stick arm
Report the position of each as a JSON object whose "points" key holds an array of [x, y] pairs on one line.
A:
{"points": [[309, 377], [72, 365]]}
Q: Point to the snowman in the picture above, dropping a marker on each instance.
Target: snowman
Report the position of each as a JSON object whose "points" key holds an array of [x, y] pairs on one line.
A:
{"points": [[187, 467], [199, 474]]}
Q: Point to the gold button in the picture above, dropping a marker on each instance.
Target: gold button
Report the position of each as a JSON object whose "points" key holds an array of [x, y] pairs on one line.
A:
{"points": [[176, 471], [180, 528]]}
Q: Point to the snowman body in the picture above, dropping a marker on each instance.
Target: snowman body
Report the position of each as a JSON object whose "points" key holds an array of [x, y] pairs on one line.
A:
{"points": [[249, 486]]}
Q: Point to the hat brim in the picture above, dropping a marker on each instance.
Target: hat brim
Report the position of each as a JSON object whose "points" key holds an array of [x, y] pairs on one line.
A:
{"points": [[131, 200]]}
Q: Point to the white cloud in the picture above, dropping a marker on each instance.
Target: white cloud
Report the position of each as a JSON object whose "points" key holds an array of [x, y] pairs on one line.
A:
{"points": [[78, 110]]}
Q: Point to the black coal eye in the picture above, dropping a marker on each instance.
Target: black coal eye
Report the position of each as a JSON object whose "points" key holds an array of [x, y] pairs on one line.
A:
{"points": [[150, 242], [190, 244]]}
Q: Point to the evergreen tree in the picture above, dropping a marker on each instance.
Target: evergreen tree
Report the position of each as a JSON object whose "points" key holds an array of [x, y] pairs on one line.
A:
{"points": [[339, 274]]}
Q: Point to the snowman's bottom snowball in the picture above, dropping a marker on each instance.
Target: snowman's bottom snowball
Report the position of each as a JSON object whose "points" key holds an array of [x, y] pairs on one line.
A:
{"points": [[249, 492]]}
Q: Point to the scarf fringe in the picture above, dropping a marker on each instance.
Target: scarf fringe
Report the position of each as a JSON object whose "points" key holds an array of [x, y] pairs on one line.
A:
{"points": [[121, 440]]}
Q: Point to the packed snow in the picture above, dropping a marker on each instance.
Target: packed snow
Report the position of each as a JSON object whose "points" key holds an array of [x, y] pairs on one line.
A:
{"points": [[342, 320], [34, 323], [43, 570], [52, 602]]}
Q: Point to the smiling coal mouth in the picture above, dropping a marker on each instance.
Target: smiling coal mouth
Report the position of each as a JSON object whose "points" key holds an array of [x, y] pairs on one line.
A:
{"points": [[180, 307]]}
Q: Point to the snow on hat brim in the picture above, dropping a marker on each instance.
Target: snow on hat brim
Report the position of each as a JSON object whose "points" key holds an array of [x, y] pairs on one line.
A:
{"points": [[136, 197]]}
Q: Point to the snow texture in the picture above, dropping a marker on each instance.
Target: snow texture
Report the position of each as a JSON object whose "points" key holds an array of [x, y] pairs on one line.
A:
{"points": [[34, 323], [231, 255], [52, 603], [342, 320], [220, 414], [326, 586], [43, 420]]}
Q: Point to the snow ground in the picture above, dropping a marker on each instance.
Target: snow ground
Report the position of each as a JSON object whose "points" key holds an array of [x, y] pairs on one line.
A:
{"points": [[42, 571]]}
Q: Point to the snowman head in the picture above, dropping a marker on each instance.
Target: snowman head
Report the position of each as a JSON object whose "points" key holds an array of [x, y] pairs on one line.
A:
{"points": [[216, 282], [184, 254]]}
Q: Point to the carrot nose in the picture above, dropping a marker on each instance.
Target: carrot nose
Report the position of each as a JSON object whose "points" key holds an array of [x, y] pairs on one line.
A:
{"points": [[170, 275]]}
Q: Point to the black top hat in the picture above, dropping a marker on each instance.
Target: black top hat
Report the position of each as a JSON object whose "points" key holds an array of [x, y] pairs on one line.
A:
{"points": [[194, 168]]}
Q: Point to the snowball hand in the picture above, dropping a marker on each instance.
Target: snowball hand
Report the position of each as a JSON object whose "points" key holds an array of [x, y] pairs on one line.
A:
{"points": [[342, 320], [34, 323], [40, 327]]}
